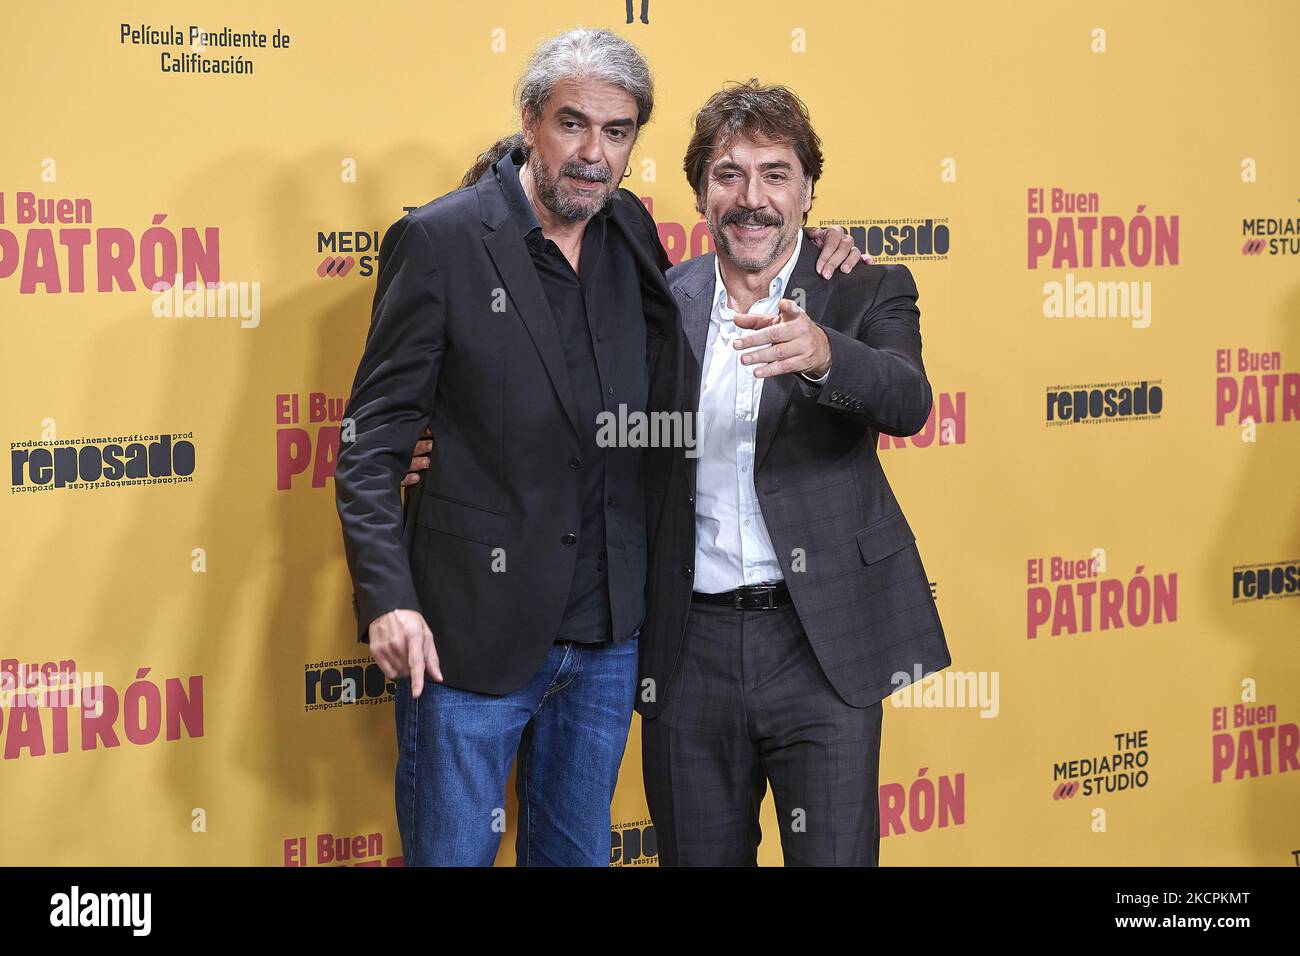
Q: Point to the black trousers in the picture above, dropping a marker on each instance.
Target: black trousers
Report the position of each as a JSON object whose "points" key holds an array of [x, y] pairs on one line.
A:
{"points": [[749, 704]]}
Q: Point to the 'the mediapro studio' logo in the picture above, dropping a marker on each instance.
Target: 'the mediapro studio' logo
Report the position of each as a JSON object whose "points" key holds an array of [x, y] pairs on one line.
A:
{"points": [[1271, 235], [347, 252]]}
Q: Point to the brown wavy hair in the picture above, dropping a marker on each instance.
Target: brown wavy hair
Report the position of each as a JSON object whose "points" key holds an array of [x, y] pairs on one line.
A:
{"points": [[756, 111]]}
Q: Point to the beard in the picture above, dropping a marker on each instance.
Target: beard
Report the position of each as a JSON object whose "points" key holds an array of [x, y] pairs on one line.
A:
{"points": [[754, 260], [565, 204]]}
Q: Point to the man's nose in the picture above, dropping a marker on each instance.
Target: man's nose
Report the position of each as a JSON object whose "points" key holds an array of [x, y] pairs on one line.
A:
{"points": [[589, 150], [754, 196]]}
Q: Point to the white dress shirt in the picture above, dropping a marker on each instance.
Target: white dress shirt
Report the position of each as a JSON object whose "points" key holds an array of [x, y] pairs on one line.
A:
{"points": [[732, 547]]}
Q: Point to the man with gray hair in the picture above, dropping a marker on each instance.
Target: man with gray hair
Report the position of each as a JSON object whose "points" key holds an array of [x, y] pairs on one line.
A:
{"points": [[509, 316]]}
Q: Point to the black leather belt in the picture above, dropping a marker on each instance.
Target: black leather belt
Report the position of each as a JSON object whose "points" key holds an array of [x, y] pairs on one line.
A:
{"points": [[754, 597]]}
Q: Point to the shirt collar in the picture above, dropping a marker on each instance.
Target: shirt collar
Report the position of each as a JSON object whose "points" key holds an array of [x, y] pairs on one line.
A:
{"points": [[776, 289], [525, 217]]}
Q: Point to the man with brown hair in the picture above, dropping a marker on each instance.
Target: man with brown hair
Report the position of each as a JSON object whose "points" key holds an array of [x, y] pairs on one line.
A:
{"points": [[786, 594]]}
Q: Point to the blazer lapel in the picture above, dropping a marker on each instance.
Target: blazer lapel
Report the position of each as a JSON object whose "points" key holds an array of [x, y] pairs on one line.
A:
{"points": [[512, 260], [694, 294], [697, 305], [659, 321], [777, 391]]}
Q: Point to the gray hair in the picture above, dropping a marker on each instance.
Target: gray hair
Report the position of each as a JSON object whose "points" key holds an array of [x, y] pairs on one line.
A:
{"points": [[591, 54]]}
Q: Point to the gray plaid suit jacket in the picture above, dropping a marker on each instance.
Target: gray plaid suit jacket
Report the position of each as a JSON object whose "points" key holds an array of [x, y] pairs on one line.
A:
{"points": [[849, 556]]}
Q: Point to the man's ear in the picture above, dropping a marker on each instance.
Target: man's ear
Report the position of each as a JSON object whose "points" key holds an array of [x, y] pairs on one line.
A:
{"points": [[528, 123]]}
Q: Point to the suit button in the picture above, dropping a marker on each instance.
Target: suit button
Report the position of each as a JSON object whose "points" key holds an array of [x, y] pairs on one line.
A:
{"points": [[569, 539], [575, 462], [686, 571], [690, 499]]}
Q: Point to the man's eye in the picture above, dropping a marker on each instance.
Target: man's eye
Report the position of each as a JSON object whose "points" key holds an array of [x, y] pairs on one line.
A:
{"points": [[617, 133]]}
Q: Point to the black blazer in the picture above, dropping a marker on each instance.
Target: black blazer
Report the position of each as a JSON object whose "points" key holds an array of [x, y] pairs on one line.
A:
{"points": [[461, 338], [862, 595]]}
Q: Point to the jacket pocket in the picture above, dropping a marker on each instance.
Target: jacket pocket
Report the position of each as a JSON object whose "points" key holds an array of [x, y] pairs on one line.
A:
{"points": [[461, 519], [884, 537]]}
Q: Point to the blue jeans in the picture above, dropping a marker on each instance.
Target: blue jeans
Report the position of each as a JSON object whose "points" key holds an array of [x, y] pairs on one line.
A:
{"points": [[569, 726]]}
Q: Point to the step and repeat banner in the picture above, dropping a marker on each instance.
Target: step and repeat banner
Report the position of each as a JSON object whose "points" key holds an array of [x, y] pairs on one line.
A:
{"points": [[1100, 203]]}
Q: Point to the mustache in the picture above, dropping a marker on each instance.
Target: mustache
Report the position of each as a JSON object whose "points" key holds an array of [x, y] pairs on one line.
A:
{"points": [[754, 217], [592, 174]]}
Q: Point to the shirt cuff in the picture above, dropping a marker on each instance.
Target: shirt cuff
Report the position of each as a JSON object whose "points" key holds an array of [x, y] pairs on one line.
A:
{"points": [[816, 381]]}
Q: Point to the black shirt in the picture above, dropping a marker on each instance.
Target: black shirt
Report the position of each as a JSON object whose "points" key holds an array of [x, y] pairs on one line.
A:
{"points": [[593, 312]]}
